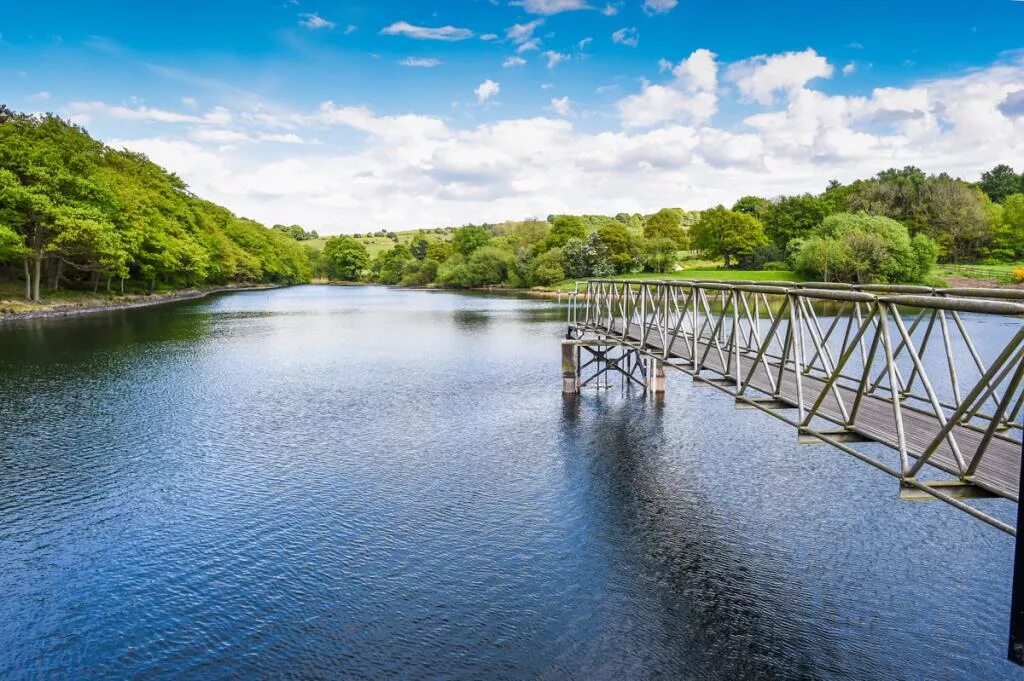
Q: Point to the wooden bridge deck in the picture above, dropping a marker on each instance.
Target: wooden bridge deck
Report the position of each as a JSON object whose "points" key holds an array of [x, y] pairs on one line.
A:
{"points": [[998, 471]]}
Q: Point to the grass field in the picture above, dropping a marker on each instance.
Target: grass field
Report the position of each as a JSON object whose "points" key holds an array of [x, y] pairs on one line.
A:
{"points": [[1001, 273], [377, 243]]}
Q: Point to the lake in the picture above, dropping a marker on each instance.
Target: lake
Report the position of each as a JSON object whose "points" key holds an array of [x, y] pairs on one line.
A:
{"points": [[362, 482]]}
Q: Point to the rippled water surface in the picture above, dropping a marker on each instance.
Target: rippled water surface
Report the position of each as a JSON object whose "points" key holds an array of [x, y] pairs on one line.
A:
{"points": [[329, 482]]}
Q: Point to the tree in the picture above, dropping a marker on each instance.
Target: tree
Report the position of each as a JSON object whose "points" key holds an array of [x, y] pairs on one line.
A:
{"points": [[12, 247], [418, 246], [563, 228], [1000, 182], [792, 217], [863, 248], [345, 258], [667, 223], [389, 266], [587, 257], [547, 268], [721, 232], [469, 238], [623, 248], [751, 205]]}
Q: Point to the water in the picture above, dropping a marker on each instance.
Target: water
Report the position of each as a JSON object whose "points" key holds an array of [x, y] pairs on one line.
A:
{"points": [[325, 482]]}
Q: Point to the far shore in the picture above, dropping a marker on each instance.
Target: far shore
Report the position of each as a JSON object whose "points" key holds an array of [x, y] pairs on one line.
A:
{"points": [[62, 308]]}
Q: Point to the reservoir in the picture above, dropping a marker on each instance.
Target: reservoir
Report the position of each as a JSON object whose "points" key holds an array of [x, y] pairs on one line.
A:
{"points": [[364, 482]]}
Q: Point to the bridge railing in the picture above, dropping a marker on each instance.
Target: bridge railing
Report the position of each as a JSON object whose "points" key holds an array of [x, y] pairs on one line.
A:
{"points": [[931, 373]]}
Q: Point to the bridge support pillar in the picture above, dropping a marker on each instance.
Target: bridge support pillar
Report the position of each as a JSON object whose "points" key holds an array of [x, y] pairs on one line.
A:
{"points": [[570, 368], [657, 376], [1015, 650]]}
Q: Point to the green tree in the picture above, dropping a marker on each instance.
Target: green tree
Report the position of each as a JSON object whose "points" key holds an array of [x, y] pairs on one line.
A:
{"points": [[389, 267], [563, 228], [792, 217], [469, 238], [418, 246], [667, 223], [547, 268], [724, 233], [1001, 182], [623, 247], [863, 248], [345, 258], [751, 205]]}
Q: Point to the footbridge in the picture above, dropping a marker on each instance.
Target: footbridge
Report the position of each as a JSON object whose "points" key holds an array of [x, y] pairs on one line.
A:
{"points": [[922, 384]]}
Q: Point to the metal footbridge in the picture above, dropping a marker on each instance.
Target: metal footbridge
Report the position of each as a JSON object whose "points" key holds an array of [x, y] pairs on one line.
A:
{"points": [[923, 384]]}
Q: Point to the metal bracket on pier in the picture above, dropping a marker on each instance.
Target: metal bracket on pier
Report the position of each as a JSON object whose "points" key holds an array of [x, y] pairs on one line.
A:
{"points": [[595, 362]]}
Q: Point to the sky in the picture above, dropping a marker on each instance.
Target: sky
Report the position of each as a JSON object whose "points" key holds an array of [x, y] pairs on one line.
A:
{"points": [[352, 116]]}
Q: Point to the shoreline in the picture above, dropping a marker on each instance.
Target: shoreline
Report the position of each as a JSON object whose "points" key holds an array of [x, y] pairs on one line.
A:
{"points": [[139, 300]]}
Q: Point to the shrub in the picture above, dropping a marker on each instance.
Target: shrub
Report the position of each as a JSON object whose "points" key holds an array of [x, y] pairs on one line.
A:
{"points": [[1018, 275]]}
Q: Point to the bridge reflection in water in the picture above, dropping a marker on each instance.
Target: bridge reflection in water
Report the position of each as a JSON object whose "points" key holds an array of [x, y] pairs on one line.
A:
{"points": [[851, 366]]}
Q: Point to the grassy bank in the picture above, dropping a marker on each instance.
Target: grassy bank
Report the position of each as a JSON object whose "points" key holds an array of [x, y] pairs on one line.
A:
{"points": [[62, 303]]}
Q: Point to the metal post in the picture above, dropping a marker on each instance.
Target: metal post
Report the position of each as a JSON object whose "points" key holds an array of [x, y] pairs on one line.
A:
{"points": [[1015, 651]]}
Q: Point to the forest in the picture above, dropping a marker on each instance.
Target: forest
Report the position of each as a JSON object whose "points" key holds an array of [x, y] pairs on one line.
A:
{"points": [[76, 214]]}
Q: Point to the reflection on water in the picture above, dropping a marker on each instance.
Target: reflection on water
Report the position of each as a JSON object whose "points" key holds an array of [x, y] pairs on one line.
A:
{"points": [[362, 482]]}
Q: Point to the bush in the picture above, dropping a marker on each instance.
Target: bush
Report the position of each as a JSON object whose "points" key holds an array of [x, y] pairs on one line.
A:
{"points": [[861, 248], [1018, 275]]}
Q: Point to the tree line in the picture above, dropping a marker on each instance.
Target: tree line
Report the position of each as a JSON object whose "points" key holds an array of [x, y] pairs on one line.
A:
{"points": [[892, 227], [77, 213]]}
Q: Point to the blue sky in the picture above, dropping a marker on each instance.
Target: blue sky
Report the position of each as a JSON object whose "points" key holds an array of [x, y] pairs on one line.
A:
{"points": [[349, 115]]}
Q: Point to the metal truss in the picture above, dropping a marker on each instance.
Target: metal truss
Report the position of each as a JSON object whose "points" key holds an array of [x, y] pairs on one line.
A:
{"points": [[845, 365]]}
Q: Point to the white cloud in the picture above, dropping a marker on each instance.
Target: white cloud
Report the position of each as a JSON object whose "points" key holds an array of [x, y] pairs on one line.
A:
{"points": [[532, 44], [659, 6], [511, 62], [760, 77], [583, 43], [549, 6], [487, 37], [218, 135], [190, 102], [41, 96], [691, 96], [315, 21], [421, 62], [626, 36], [849, 68], [486, 90], [413, 170], [521, 33], [610, 9], [554, 58], [446, 33], [561, 105], [350, 29]]}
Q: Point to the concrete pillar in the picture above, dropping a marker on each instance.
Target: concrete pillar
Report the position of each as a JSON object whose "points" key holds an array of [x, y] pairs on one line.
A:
{"points": [[570, 369], [658, 376]]}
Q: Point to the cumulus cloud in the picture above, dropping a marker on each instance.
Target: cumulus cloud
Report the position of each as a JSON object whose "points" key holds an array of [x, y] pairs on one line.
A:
{"points": [[691, 96], [415, 170], [421, 62], [626, 36], [446, 33], [760, 77], [549, 6], [486, 90], [659, 6], [511, 62], [849, 68], [532, 44], [315, 21], [610, 9], [561, 105]]}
